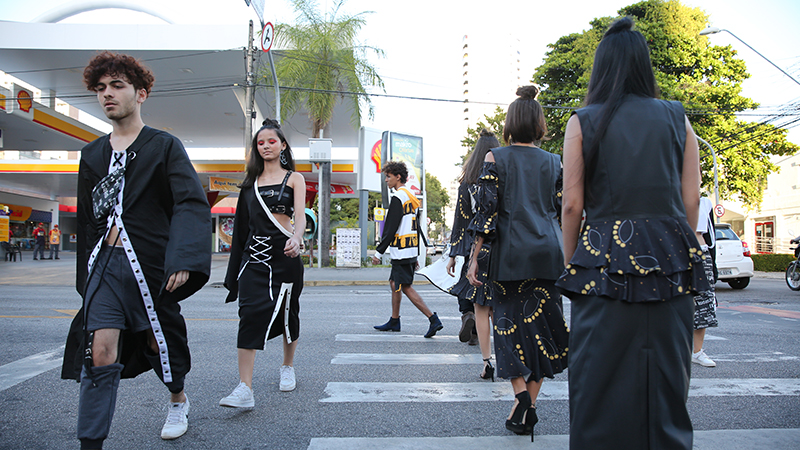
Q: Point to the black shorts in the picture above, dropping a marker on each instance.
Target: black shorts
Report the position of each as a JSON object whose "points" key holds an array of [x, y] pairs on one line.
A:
{"points": [[114, 299], [402, 273]]}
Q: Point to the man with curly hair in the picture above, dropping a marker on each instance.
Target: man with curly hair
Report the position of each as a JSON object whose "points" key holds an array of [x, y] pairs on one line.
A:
{"points": [[143, 225], [401, 237]]}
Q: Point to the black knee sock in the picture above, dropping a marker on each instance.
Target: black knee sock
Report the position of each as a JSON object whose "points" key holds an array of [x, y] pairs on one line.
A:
{"points": [[97, 402]]}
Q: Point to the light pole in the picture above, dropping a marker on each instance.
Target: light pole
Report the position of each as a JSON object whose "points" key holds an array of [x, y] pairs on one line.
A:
{"points": [[716, 179], [715, 30]]}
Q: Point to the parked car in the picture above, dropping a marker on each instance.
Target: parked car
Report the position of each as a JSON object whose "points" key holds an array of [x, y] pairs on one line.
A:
{"points": [[734, 264]]}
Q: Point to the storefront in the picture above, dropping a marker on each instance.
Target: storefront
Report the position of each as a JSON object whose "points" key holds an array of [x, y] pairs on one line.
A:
{"points": [[24, 216]]}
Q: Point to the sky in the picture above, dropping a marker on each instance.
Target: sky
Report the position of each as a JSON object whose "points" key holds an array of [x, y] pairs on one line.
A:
{"points": [[422, 41]]}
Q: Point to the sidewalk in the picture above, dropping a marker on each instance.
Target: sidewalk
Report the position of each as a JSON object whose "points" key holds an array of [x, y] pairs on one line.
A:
{"points": [[62, 273]]}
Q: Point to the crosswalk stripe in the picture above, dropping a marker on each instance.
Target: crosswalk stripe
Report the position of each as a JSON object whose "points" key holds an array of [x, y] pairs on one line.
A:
{"points": [[18, 371], [782, 438], [406, 358], [389, 336], [754, 357], [340, 392]]}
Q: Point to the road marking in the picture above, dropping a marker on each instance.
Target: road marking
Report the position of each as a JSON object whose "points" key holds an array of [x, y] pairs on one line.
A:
{"points": [[69, 312], [775, 438], [762, 310], [754, 357], [21, 370], [405, 358], [340, 392], [420, 392], [710, 337], [390, 336]]}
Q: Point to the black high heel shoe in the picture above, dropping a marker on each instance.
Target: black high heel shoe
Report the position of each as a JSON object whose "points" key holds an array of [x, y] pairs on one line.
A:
{"points": [[488, 369], [518, 421], [531, 419]]}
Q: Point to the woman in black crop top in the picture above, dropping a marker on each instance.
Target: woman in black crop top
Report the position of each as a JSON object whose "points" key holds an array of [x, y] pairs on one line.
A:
{"points": [[264, 269]]}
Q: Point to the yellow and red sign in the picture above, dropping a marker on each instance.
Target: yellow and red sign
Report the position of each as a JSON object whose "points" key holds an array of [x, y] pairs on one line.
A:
{"points": [[19, 213], [223, 184], [376, 156], [22, 103], [3, 228]]}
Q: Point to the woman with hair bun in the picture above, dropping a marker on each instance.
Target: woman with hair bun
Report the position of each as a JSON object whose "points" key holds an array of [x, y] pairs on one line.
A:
{"points": [[264, 269], [631, 164], [518, 211]]}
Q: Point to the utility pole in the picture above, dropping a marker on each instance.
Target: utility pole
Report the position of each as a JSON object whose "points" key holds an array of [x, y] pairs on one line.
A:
{"points": [[249, 93]]}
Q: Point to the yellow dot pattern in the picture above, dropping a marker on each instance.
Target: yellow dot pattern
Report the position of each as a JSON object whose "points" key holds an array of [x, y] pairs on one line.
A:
{"points": [[587, 244]]}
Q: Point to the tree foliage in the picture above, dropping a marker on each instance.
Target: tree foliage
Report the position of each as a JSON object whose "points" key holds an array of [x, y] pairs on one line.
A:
{"points": [[323, 62], [493, 123], [705, 78], [438, 199]]}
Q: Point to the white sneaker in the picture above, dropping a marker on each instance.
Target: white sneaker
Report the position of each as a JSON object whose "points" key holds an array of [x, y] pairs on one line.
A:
{"points": [[288, 382], [241, 397], [177, 420], [703, 359]]}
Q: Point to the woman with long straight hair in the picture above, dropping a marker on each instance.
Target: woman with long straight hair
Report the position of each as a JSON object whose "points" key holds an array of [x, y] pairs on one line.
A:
{"points": [[264, 269], [518, 209], [474, 304], [631, 164]]}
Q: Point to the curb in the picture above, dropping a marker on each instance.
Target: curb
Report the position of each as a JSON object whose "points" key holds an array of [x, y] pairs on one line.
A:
{"points": [[317, 283]]}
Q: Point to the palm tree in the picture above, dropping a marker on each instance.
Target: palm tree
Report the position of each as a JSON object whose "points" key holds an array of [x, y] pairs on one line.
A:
{"points": [[323, 62]]}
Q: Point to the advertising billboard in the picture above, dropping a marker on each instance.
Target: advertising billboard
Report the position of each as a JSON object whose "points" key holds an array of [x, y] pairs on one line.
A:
{"points": [[408, 149]]}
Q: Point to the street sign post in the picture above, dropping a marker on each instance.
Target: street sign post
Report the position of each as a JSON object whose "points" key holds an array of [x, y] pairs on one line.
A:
{"points": [[267, 36]]}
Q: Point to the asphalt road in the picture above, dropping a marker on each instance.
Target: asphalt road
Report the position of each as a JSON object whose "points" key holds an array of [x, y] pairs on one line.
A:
{"points": [[358, 388]]}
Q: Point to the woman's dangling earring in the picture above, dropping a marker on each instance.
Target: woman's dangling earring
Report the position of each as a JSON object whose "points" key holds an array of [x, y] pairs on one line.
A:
{"points": [[284, 161]]}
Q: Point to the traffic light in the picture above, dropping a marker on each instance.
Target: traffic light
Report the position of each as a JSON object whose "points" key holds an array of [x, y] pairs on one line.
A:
{"points": [[311, 225]]}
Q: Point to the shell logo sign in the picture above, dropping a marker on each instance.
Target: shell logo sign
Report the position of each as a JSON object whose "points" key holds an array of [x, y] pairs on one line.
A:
{"points": [[376, 156], [21, 102], [24, 101]]}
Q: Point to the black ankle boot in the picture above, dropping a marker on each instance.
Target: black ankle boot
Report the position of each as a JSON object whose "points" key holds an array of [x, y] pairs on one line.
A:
{"points": [[436, 325], [392, 325], [517, 421]]}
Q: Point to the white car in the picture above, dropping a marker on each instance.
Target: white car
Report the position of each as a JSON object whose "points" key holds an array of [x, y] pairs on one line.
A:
{"points": [[734, 264]]}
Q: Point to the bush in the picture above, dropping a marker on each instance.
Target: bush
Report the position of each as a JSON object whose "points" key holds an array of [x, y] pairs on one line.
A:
{"points": [[304, 258], [771, 262]]}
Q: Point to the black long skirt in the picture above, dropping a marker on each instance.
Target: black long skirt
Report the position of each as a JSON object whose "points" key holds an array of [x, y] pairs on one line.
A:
{"points": [[629, 369], [267, 283], [530, 334]]}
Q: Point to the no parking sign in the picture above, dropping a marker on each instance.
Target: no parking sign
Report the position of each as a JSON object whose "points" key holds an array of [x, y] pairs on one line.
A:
{"points": [[719, 210]]}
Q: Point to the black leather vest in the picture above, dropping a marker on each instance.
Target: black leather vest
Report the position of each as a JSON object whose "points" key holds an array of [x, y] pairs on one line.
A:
{"points": [[528, 243], [639, 163]]}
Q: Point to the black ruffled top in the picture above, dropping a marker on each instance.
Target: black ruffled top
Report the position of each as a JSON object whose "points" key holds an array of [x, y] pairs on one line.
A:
{"points": [[636, 260], [636, 245]]}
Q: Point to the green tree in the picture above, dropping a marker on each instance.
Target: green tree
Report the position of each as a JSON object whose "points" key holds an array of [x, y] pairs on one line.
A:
{"points": [[438, 199], [705, 78], [493, 123], [323, 62]]}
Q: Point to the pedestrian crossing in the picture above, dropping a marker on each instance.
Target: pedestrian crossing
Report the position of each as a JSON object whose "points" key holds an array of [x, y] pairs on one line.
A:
{"points": [[460, 392]]}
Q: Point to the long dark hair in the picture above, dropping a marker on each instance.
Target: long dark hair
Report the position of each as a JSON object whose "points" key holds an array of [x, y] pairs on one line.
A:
{"points": [[472, 167], [525, 118], [621, 67], [255, 163]]}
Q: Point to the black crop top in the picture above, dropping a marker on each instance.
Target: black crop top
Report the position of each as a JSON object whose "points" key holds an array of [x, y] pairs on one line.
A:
{"points": [[279, 198]]}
